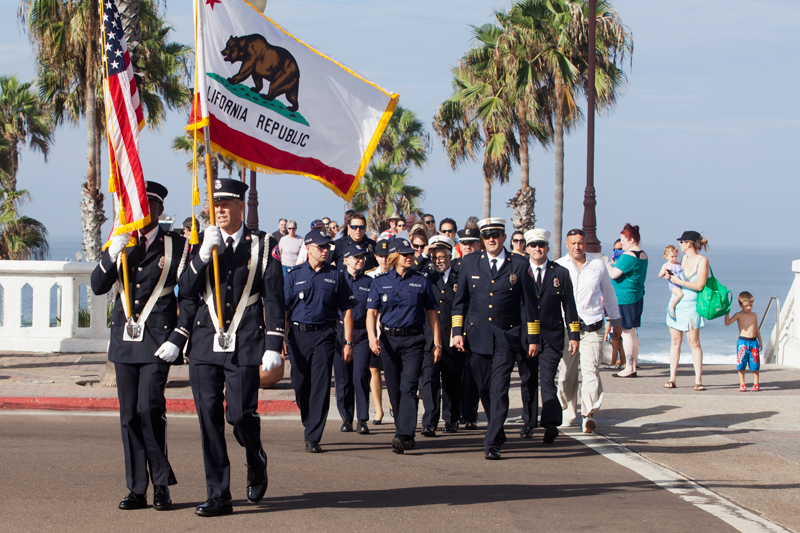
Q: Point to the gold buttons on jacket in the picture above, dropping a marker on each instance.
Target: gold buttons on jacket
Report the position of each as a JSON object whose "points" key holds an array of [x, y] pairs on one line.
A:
{"points": [[490, 306], [490, 319], [491, 294], [138, 286]]}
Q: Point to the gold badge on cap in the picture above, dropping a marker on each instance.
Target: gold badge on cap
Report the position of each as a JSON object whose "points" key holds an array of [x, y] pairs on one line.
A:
{"points": [[512, 278]]}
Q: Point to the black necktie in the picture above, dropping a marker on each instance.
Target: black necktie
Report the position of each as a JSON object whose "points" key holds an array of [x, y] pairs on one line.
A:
{"points": [[228, 255], [494, 267], [539, 278], [142, 246]]}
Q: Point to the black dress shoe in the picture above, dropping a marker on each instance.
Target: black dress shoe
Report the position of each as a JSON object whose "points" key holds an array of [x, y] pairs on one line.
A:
{"points": [[428, 431], [347, 427], [526, 432], [133, 501], [409, 443], [398, 444], [550, 434], [492, 454], [449, 429], [257, 480], [312, 446], [361, 428], [214, 507], [471, 426], [161, 499], [631, 375]]}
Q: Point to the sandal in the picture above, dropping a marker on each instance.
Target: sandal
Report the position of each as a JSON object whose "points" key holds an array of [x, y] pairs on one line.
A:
{"points": [[699, 386], [742, 388], [670, 385], [756, 388]]}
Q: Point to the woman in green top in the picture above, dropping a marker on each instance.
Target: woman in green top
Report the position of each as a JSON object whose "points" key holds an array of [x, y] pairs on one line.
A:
{"points": [[628, 274]]}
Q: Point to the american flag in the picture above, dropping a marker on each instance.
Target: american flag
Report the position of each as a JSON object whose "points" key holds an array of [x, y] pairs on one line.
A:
{"points": [[124, 120]]}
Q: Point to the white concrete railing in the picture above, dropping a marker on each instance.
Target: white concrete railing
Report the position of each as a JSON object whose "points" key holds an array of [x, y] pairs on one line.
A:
{"points": [[44, 332], [786, 351]]}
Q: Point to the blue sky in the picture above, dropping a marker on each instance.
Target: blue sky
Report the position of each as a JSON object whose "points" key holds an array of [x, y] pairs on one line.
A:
{"points": [[704, 138]]}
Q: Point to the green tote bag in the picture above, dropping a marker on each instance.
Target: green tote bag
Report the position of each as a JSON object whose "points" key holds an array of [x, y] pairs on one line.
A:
{"points": [[714, 300]]}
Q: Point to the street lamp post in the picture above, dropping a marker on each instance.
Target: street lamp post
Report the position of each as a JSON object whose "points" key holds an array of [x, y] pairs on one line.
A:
{"points": [[589, 201]]}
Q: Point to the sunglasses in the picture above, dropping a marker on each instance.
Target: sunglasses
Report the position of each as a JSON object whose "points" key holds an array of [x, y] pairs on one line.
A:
{"points": [[431, 221], [403, 225], [518, 240], [417, 246], [494, 234], [356, 228], [539, 244], [323, 246], [576, 232], [291, 227]]}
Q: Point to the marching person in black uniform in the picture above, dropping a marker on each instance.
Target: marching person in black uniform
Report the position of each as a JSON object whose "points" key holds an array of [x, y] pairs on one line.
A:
{"points": [[353, 378], [494, 308], [225, 357], [442, 382], [144, 345], [355, 232], [555, 299], [403, 297], [468, 241], [315, 294]]}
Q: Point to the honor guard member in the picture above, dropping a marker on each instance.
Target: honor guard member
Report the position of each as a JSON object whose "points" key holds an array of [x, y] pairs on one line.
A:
{"points": [[404, 298], [555, 302], [352, 379], [225, 357], [494, 311], [468, 242], [316, 294], [441, 382], [144, 345], [355, 232]]}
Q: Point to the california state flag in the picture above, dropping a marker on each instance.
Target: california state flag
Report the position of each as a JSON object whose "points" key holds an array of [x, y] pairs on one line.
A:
{"points": [[277, 105]]}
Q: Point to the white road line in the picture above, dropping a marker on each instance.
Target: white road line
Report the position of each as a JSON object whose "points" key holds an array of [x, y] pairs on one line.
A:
{"points": [[738, 517]]}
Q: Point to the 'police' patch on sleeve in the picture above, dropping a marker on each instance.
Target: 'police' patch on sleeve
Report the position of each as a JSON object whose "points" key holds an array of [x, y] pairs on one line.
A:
{"points": [[276, 253]]}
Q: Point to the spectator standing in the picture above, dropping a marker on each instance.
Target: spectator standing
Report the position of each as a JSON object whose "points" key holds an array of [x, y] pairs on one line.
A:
{"points": [[281, 231], [333, 228], [430, 224], [448, 227], [593, 290], [518, 243], [629, 273], [393, 229], [691, 280], [289, 246]]}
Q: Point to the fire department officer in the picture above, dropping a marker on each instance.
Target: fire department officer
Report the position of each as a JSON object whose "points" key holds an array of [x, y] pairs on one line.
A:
{"points": [[494, 311], [468, 242], [315, 294], [225, 357], [144, 345]]}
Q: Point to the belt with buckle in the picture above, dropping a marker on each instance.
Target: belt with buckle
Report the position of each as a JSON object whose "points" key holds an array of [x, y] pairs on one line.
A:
{"points": [[403, 332], [356, 325], [591, 327], [313, 327]]}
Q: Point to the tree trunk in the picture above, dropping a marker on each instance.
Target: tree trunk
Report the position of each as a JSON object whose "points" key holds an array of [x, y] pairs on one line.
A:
{"points": [[11, 184], [524, 134], [129, 15], [558, 207], [487, 196], [522, 206]]}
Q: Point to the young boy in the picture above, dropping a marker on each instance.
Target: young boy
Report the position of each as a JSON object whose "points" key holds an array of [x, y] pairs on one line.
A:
{"points": [[748, 347]]}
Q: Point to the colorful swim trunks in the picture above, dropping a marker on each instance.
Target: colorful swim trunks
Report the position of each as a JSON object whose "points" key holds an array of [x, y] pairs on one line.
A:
{"points": [[747, 352]]}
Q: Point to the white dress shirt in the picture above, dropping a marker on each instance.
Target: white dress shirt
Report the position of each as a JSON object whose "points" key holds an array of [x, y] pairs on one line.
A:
{"points": [[446, 274], [236, 236], [535, 268], [500, 258], [592, 286]]}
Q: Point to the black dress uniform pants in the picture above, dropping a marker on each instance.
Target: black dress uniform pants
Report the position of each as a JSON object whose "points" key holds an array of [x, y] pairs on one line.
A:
{"points": [[493, 375], [311, 354], [469, 395], [442, 383], [143, 420], [240, 385], [528, 368], [402, 367], [352, 379], [549, 357]]}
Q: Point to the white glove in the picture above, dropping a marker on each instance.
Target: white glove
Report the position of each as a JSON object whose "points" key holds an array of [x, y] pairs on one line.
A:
{"points": [[211, 237], [118, 243], [168, 352], [270, 361]]}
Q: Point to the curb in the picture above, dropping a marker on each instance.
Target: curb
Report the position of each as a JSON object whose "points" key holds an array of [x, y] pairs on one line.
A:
{"points": [[265, 407]]}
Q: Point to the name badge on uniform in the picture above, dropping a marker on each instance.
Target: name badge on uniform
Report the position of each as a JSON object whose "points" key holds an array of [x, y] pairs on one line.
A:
{"points": [[301, 295], [512, 278], [385, 297]]}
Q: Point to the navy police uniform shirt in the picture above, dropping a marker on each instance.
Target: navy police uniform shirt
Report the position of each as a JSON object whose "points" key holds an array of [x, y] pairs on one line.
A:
{"points": [[316, 297], [360, 287], [402, 300], [336, 255]]}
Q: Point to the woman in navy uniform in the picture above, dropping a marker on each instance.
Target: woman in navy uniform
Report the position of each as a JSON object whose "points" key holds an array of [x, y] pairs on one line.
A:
{"points": [[316, 294], [403, 297], [225, 357], [375, 365], [352, 379], [493, 312], [142, 361]]}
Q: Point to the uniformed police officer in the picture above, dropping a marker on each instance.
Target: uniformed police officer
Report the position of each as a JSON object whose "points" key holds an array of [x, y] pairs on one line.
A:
{"points": [[403, 297], [441, 382], [316, 294], [468, 242], [355, 232], [144, 345], [555, 299], [353, 378], [226, 356], [494, 308]]}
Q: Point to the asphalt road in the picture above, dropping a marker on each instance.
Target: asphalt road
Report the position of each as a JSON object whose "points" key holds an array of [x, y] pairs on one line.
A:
{"points": [[65, 472]]}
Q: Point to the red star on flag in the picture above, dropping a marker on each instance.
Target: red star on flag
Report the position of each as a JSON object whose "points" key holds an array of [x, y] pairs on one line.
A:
{"points": [[212, 2]]}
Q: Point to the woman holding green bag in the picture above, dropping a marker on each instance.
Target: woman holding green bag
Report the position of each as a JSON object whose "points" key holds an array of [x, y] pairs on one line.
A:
{"points": [[692, 280]]}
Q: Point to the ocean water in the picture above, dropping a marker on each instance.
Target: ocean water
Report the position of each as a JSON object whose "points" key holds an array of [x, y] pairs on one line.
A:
{"points": [[764, 272]]}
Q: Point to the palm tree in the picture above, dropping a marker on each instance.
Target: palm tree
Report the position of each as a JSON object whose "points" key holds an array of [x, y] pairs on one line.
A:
{"points": [[23, 118], [383, 190], [21, 237], [404, 141], [555, 33]]}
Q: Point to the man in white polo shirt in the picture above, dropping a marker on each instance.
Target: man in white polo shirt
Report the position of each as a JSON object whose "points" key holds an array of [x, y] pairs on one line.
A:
{"points": [[593, 289]]}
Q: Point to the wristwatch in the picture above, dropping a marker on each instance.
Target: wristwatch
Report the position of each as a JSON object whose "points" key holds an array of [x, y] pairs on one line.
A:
{"points": [[437, 345], [350, 343]]}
